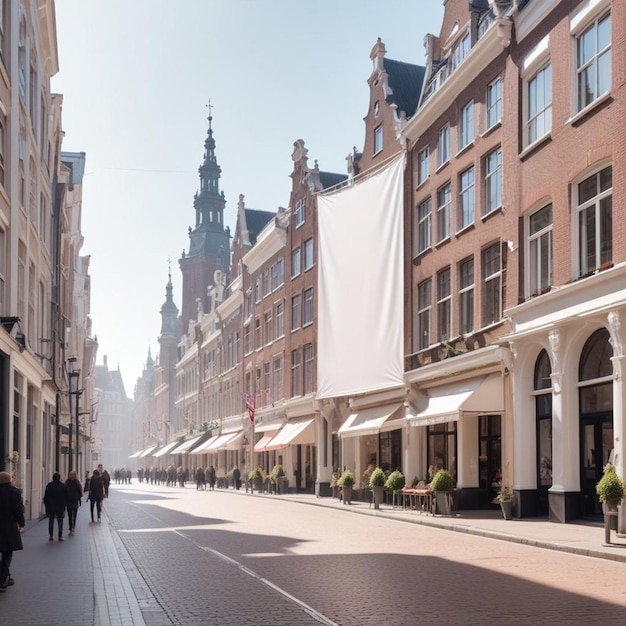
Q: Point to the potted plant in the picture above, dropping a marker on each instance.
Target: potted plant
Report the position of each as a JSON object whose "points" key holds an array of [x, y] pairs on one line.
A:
{"points": [[256, 478], [346, 482], [610, 488], [377, 485], [505, 500], [442, 484], [395, 483], [277, 476]]}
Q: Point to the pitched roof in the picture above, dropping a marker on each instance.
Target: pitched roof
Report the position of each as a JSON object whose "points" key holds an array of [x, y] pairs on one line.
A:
{"points": [[405, 80], [256, 222], [330, 179]]}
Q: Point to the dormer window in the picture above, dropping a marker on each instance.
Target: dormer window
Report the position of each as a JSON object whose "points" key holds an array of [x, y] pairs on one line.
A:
{"points": [[459, 51], [378, 139]]}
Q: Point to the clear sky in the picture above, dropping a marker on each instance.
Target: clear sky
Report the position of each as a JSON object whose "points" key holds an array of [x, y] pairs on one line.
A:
{"points": [[136, 76]]}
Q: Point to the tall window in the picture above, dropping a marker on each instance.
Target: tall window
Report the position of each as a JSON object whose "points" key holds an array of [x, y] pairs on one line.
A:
{"points": [[309, 381], [300, 212], [247, 339], [540, 250], [2, 268], [539, 96], [3, 123], [280, 320], [424, 304], [466, 197], [444, 304], [258, 340], [595, 221], [308, 254], [296, 312], [296, 372], [277, 379], [443, 146], [424, 226], [492, 284], [493, 181], [593, 61], [444, 204], [296, 262], [378, 139], [466, 296], [307, 313], [466, 126], [494, 102], [422, 172], [460, 51], [267, 322]]}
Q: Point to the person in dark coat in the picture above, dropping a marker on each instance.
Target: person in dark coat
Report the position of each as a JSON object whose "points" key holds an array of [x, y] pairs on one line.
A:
{"points": [[96, 493], [211, 477], [106, 479], [11, 520], [55, 500], [74, 499]]}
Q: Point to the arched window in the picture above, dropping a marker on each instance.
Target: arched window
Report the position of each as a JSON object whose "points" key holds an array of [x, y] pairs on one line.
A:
{"points": [[543, 369], [595, 360], [542, 385]]}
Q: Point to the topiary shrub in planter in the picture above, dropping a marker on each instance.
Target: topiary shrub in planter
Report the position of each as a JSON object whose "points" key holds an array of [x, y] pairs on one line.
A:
{"points": [[442, 484], [395, 483], [256, 478], [277, 476], [610, 488], [346, 482], [377, 485]]}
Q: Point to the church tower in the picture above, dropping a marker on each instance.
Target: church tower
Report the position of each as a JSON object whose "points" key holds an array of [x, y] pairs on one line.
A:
{"points": [[209, 240]]}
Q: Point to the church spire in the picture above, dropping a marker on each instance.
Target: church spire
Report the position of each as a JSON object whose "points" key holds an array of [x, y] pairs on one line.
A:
{"points": [[169, 311]]}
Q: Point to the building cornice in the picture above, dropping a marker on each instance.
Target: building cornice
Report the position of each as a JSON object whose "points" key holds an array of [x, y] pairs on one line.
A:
{"points": [[271, 240], [487, 48]]}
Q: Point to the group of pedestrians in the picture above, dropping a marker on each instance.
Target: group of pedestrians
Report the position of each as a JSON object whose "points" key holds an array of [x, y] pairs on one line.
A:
{"points": [[205, 476], [59, 497]]}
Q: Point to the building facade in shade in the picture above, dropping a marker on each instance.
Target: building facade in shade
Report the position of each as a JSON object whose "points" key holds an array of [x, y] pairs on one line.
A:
{"points": [[112, 434], [46, 348]]}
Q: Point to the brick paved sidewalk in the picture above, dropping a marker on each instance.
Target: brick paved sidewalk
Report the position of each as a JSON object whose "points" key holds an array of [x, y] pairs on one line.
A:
{"points": [[86, 579]]}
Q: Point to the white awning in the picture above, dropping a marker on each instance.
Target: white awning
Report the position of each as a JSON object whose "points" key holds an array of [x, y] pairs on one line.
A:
{"points": [[165, 449], [134, 455], [262, 443], [234, 443], [294, 432], [203, 447], [221, 442], [147, 451], [479, 396], [184, 447], [371, 421]]}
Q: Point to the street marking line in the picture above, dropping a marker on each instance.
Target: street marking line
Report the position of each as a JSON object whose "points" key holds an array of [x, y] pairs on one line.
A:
{"points": [[316, 615]]}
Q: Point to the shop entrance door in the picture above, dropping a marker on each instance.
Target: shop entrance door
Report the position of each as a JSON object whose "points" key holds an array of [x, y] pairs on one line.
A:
{"points": [[597, 445], [490, 446]]}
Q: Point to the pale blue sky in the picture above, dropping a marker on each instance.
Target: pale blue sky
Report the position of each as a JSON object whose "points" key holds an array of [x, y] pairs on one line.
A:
{"points": [[136, 76]]}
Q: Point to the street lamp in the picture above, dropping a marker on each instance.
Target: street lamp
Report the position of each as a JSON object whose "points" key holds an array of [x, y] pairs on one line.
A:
{"points": [[74, 375]]}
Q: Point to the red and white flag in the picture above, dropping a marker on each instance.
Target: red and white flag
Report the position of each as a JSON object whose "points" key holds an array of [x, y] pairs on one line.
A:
{"points": [[250, 405]]}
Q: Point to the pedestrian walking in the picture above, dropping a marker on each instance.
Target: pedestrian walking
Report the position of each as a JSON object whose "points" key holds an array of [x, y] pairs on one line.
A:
{"points": [[106, 479], [96, 493], [11, 520], [55, 501], [200, 482], [74, 499], [211, 477]]}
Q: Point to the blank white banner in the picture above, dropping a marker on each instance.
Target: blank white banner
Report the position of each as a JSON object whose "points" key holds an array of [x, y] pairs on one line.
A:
{"points": [[360, 282]]}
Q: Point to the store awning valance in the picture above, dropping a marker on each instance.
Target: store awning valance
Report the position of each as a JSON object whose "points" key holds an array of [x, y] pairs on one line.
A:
{"points": [[134, 455], [165, 449], [184, 447], [222, 441], [478, 396], [234, 443], [294, 432], [203, 447], [147, 451], [372, 421], [262, 443]]}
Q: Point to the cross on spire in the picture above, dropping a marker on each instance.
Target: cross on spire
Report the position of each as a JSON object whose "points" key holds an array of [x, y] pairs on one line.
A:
{"points": [[210, 107]]}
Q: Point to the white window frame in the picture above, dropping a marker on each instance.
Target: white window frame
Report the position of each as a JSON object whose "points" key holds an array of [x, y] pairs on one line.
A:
{"points": [[443, 145], [423, 165], [444, 209], [466, 296], [424, 307], [296, 311], [308, 254], [493, 105], [594, 206], [492, 284], [300, 213], [538, 109], [466, 125], [424, 225], [296, 262], [280, 320], [378, 139], [307, 307], [582, 24], [444, 304], [539, 252], [467, 197], [493, 180]]}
